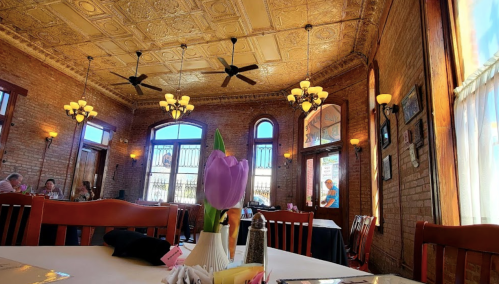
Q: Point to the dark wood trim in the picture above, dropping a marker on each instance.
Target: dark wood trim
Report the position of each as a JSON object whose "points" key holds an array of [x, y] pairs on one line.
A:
{"points": [[12, 89], [104, 124], [148, 153], [252, 141]]}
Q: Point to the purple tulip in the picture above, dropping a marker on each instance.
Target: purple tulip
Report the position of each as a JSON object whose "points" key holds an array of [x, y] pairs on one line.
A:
{"points": [[224, 180]]}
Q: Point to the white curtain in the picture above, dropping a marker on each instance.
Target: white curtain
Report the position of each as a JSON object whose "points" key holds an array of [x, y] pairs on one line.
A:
{"points": [[477, 118]]}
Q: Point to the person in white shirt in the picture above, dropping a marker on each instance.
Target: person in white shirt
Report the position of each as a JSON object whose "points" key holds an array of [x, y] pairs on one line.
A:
{"points": [[11, 183]]}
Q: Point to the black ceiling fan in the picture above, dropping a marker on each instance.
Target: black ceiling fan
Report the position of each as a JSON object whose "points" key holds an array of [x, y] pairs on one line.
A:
{"points": [[233, 70], [136, 81]]}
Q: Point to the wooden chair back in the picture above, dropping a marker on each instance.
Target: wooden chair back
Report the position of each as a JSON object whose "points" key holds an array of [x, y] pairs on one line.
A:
{"points": [[353, 240], [472, 238], [361, 260], [192, 213], [111, 214], [32, 225], [281, 218], [147, 203]]}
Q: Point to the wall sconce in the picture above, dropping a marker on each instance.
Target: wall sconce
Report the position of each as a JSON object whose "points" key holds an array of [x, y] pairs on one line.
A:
{"points": [[384, 100], [288, 159], [355, 143], [51, 137], [133, 159]]}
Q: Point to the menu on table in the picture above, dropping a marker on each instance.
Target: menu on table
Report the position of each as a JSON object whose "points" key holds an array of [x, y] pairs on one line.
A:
{"points": [[20, 273], [371, 279]]}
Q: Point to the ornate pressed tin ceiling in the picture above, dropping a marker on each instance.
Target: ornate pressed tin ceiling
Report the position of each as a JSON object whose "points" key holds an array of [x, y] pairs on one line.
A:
{"points": [[270, 33]]}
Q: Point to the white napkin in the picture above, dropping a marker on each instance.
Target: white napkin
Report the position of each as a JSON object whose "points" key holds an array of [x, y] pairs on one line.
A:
{"points": [[189, 275]]}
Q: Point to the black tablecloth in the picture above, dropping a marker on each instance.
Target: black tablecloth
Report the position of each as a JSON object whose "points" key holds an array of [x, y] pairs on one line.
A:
{"points": [[327, 243]]}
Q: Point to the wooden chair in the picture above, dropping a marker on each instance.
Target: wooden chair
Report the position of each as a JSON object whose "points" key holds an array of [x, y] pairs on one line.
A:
{"points": [[283, 217], [472, 238], [32, 226], [193, 213], [361, 261], [147, 203], [353, 241], [109, 213]]}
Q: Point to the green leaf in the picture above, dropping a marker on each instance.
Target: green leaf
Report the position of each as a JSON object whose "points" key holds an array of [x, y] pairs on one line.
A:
{"points": [[209, 217], [219, 141]]}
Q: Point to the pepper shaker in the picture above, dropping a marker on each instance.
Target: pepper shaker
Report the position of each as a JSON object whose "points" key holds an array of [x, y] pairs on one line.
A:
{"points": [[256, 243]]}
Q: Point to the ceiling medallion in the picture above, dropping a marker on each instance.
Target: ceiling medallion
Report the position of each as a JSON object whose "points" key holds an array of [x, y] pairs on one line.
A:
{"points": [[307, 97], [177, 106], [81, 111]]}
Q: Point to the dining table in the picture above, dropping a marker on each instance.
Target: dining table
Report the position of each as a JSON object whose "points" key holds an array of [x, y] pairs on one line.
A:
{"points": [[327, 241], [94, 264]]}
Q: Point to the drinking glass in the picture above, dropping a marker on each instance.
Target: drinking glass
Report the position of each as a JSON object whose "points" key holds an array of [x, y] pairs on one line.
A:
{"points": [[234, 215]]}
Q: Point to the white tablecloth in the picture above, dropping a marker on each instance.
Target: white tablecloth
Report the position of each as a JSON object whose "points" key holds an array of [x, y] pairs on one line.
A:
{"points": [[96, 265], [324, 223]]}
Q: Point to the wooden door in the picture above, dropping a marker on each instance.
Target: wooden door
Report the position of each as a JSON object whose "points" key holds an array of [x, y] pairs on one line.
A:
{"points": [[322, 174], [89, 170]]}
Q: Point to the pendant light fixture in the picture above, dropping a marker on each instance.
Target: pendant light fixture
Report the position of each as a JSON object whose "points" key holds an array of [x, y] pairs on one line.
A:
{"points": [[81, 111], [177, 106], [307, 98]]}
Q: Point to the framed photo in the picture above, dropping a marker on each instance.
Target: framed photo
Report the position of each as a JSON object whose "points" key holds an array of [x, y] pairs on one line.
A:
{"points": [[387, 167], [418, 133], [411, 104], [385, 134]]}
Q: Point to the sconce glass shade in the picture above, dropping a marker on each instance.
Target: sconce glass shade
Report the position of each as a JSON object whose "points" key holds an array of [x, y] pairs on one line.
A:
{"points": [[183, 102], [304, 84], [53, 134], [82, 103], [79, 118], [190, 107], [287, 155], [67, 107], [354, 142], [176, 114], [323, 95], [171, 101], [384, 99], [291, 98], [74, 105], [306, 106], [163, 104], [168, 96], [92, 113], [132, 156], [186, 98], [88, 108]]}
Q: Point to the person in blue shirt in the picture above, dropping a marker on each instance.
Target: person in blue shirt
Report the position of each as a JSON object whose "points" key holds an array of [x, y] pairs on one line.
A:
{"points": [[332, 198]]}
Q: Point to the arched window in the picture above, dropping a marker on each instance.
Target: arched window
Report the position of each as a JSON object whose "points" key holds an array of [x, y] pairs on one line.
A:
{"points": [[173, 170], [263, 142]]}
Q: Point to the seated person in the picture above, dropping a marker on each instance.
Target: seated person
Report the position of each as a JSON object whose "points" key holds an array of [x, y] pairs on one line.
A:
{"points": [[332, 198], [11, 183], [84, 192], [50, 187]]}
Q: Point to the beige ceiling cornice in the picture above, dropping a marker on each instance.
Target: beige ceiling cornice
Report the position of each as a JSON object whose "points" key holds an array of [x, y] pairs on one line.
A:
{"points": [[19, 42]]}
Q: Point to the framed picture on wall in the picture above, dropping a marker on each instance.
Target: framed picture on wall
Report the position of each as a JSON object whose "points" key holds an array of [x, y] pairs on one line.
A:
{"points": [[411, 104], [385, 134], [387, 167]]}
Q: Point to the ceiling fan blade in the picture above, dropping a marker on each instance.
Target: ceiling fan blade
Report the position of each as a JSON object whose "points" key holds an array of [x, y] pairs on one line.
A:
{"points": [[141, 78], [226, 81], [213, 72], [248, 68], [224, 62], [120, 84], [246, 79], [118, 75], [151, 87], [139, 90]]}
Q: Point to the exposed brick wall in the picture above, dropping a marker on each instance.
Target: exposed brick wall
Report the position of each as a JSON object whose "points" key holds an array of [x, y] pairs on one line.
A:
{"points": [[401, 66], [42, 111]]}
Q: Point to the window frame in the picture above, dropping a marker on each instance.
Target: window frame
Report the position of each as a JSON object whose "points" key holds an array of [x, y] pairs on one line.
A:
{"points": [[150, 147], [252, 142], [14, 91], [375, 69]]}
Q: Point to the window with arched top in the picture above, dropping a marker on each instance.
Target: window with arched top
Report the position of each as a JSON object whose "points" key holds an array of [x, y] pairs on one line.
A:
{"points": [[263, 145], [322, 126], [173, 170]]}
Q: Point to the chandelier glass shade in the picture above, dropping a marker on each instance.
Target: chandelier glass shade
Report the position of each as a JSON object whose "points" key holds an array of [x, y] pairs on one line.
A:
{"points": [[307, 98], [81, 111], [177, 106]]}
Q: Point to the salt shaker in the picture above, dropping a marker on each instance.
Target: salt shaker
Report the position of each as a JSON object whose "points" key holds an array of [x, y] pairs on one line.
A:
{"points": [[256, 244]]}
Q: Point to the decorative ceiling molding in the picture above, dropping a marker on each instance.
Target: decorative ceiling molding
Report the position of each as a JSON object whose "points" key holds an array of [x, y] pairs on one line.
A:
{"points": [[19, 42]]}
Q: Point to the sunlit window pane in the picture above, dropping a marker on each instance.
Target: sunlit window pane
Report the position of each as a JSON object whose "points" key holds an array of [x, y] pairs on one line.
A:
{"points": [[325, 128], [190, 132], [264, 130], [478, 23], [93, 134], [5, 102], [187, 131]]}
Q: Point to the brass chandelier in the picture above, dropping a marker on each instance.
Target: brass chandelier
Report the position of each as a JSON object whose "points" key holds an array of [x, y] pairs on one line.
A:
{"points": [[306, 97], [81, 111], [177, 106]]}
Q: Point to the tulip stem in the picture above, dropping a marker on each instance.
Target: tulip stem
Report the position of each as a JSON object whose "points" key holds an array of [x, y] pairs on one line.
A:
{"points": [[216, 226]]}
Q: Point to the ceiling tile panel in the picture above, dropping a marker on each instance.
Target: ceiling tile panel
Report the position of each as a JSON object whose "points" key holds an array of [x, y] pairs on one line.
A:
{"points": [[74, 20], [88, 7], [258, 15], [111, 27], [290, 17]]}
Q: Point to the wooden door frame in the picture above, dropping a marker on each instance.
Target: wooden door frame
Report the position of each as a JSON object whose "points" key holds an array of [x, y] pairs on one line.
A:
{"points": [[342, 147]]}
